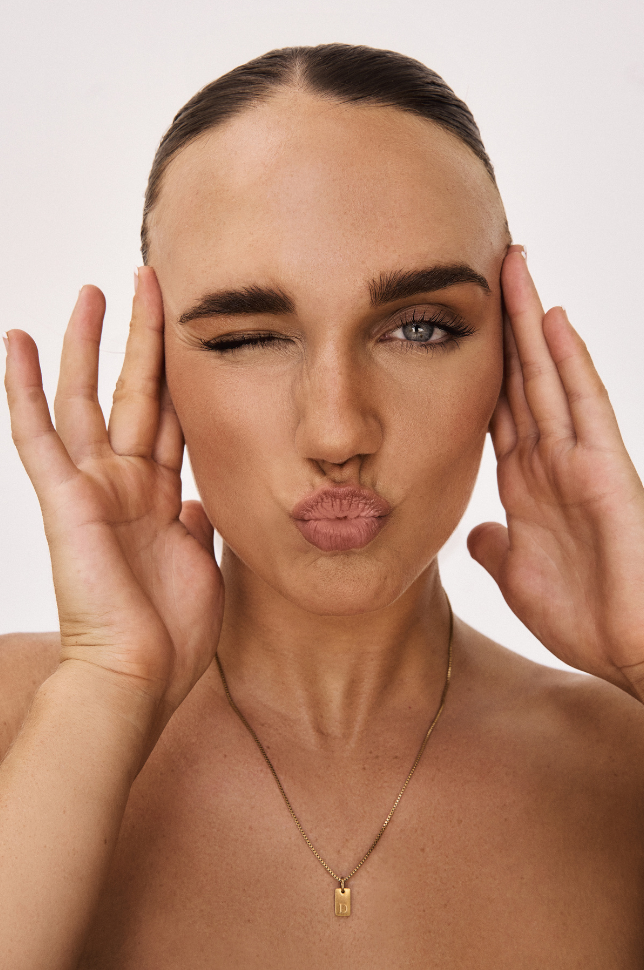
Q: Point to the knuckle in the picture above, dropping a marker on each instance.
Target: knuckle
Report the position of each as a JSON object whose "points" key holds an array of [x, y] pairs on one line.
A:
{"points": [[119, 390], [145, 387], [527, 442], [533, 370]]}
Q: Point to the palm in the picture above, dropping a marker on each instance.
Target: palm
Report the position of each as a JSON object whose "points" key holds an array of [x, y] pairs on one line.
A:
{"points": [[137, 585], [571, 563]]}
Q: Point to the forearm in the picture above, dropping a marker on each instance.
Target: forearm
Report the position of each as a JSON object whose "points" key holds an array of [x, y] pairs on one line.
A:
{"points": [[63, 790]]}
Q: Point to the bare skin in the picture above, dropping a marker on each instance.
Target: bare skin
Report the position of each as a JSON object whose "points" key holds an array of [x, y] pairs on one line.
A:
{"points": [[518, 844]]}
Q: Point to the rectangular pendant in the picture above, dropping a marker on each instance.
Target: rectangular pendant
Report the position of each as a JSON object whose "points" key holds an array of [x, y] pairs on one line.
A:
{"points": [[343, 902]]}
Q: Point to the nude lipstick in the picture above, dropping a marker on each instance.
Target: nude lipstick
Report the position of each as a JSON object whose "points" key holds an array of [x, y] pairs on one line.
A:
{"points": [[336, 518]]}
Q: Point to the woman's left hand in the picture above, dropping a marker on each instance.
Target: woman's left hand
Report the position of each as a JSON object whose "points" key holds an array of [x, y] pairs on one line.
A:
{"points": [[570, 563]]}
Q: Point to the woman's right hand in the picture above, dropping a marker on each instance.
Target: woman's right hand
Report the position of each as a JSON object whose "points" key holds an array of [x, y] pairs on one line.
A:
{"points": [[139, 593]]}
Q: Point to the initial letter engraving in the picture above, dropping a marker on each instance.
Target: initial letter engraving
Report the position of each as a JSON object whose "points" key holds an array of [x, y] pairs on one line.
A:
{"points": [[343, 902]]}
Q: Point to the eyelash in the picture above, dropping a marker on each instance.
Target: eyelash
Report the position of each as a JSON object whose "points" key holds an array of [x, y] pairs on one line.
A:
{"points": [[228, 345], [453, 326]]}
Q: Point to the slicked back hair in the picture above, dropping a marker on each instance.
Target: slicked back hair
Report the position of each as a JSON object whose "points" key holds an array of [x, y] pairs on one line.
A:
{"points": [[340, 72]]}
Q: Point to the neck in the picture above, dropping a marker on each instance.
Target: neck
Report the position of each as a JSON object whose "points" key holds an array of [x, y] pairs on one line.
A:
{"points": [[332, 676]]}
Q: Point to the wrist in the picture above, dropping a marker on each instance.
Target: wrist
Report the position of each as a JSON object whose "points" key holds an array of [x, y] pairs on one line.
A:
{"points": [[125, 717]]}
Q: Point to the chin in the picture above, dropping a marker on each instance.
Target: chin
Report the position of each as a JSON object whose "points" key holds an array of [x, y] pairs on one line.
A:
{"points": [[344, 584]]}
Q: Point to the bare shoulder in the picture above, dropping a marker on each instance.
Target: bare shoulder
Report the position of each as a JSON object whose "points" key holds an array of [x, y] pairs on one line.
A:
{"points": [[591, 729], [26, 661]]}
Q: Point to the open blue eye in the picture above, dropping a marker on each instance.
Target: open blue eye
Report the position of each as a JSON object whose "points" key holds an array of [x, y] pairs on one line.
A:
{"points": [[426, 328], [418, 330]]}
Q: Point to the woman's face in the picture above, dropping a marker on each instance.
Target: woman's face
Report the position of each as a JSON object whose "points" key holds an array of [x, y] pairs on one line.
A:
{"points": [[330, 277]]}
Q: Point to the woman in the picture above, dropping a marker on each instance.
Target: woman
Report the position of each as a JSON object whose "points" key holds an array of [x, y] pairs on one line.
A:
{"points": [[320, 318]]}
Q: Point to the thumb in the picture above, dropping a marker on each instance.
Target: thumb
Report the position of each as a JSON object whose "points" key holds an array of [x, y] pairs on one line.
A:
{"points": [[488, 544], [198, 525]]}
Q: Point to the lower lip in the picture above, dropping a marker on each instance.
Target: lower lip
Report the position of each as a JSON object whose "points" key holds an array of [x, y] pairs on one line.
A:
{"points": [[336, 535]]}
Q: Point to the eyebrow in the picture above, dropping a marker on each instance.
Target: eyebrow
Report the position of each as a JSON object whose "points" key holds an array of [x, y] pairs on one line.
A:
{"points": [[244, 302], [396, 285], [401, 284]]}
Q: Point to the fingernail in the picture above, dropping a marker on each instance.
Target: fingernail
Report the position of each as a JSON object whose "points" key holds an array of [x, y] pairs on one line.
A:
{"points": [[5, 340], [136, 279]]}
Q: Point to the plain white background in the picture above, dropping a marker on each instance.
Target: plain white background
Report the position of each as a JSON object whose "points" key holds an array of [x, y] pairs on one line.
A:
{"points": [[556, 86]]}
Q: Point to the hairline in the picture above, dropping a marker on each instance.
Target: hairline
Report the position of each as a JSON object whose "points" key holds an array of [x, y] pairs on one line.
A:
{"points": [[296, 83]]}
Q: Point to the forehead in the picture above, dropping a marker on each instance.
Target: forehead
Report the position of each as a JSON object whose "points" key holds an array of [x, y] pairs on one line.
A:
{"points": [[302, 188]]}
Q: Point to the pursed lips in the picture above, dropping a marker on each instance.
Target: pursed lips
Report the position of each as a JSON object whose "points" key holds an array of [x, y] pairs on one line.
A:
{"points": [[341, 517]]}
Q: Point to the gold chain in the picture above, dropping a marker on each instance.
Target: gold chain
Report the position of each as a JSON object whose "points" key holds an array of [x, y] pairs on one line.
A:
{"points": [[343, 879]]}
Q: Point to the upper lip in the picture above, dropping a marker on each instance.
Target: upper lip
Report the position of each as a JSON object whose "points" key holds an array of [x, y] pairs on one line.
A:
{"points": [[341, 502]]}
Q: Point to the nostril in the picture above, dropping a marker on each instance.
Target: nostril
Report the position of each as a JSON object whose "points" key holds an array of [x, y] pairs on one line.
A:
{"points": [[340, 471]]}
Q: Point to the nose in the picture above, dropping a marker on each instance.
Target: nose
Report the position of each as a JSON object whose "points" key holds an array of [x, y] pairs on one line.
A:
{"points": [[338, 409]]}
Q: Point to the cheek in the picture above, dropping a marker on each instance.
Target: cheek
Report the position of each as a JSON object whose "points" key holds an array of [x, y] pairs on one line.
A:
{"points": [[442, 420], [435, 445], [235, 426]]}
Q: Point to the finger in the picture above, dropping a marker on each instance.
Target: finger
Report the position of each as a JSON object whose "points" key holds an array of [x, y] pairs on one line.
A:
{"points": [[525, 424], [590, 408], [135, 412], [198, 525], [41, 450], [542, 385], [79, 418], [503, 430], [488, 544], [168, 448]]}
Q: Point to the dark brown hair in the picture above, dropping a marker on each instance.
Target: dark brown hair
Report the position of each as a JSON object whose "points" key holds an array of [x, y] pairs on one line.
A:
{"points": [[352, 75]]}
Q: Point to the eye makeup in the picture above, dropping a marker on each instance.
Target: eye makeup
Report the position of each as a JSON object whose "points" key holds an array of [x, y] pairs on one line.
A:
{"points": [[429, 328], [421, 327]]}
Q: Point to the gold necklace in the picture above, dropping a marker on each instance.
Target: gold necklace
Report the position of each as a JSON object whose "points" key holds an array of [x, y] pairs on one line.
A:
{"points": [[343, 893]]}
